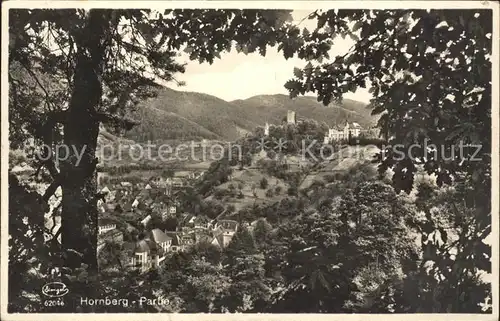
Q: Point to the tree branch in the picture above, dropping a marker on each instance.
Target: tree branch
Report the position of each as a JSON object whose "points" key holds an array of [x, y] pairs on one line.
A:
{"points": [[68, 56], [45, 133], [51, 190], [34, 76], [57, 234], [49, 164], [54, 217]]}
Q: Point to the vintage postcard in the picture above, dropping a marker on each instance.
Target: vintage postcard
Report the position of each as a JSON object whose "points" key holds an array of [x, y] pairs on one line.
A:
{"points": [[250, 160]]}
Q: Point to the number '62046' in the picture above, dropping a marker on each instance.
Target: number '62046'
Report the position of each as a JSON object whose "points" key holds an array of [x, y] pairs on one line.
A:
{"points": [[54, 303]]}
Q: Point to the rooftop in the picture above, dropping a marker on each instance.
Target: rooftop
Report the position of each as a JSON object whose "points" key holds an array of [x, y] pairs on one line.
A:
{"points": [[105, 221], [176, 239], [142, 246], [228, 224], [159, 236]]}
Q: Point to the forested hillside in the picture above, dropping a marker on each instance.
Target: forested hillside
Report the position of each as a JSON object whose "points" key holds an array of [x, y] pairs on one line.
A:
{"points": [[188, 115]]}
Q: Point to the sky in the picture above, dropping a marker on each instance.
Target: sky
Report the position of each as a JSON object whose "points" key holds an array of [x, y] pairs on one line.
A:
{"points": [[240, 76]]}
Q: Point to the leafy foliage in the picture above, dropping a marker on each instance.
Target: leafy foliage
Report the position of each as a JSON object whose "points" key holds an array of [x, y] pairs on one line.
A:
{"points": [[399, 53], [341, 247], [414, 105], [73, 69]]}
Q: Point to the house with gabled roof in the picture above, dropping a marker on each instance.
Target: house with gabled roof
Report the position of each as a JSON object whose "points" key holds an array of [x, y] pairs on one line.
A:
{"points": [[223, 232], [160, 238], [218, 240], [151, 251], [135, 203], [144, 254]]}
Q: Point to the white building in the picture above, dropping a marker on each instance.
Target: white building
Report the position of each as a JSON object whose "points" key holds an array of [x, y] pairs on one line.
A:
{"points": [[105, 225], [354, 129], [145, 254], [348, 131], [161, 239], [224, 231], [126, 184]]}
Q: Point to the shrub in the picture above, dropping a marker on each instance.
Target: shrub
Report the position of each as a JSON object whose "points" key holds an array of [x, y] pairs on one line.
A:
{"points": [[272, 217], [330, 178], [292, 191], [269, 193], [364, 141], [219, 194], [263, 183], [231, 190], [277, 190]]}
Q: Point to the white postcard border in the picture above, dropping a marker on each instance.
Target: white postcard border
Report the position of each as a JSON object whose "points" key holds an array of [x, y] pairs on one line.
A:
{"points": [[268, 5]]}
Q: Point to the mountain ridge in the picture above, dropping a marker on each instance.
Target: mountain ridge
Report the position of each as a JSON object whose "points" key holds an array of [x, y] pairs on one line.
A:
{"points": [[192, 115]]}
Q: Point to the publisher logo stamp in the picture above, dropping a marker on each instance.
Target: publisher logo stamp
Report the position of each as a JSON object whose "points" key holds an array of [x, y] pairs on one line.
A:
{"points": [[55, 289]]}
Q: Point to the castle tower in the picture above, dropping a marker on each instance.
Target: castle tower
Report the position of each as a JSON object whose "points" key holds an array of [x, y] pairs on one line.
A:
{"points": [[290, 117], [266, 130]]}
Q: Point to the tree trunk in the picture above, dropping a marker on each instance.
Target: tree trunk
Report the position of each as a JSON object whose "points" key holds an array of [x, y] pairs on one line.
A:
{"points": [[79, 181]]}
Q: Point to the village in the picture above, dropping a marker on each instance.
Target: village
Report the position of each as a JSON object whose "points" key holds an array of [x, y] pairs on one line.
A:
{"points": [[250, 160], [133, 214], [127, 208]]}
